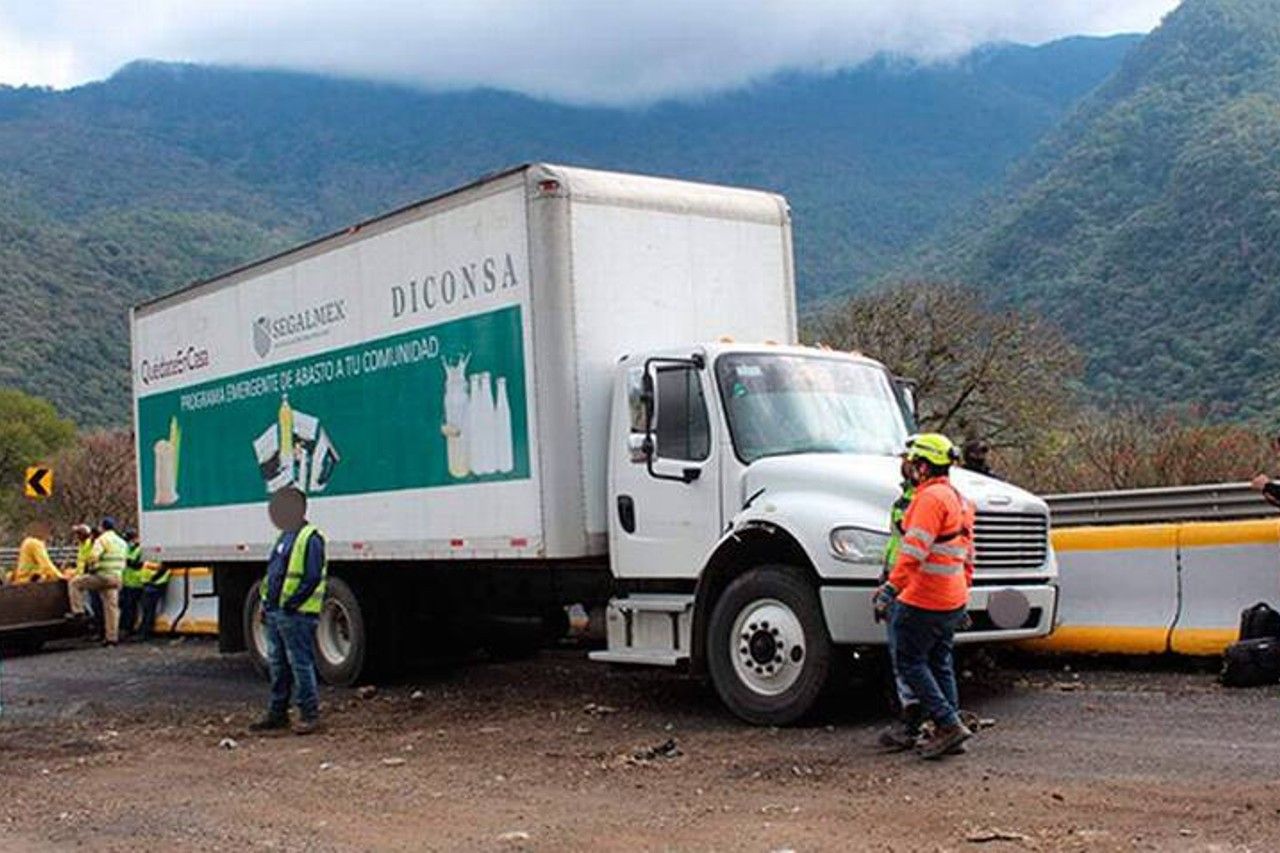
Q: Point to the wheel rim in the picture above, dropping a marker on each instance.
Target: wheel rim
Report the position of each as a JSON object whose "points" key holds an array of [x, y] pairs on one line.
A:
{"points": [[259, 632], [767, 647], [333, 634]]}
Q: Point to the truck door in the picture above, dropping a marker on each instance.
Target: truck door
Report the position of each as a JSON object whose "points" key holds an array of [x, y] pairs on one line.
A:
{"points": [[665, 516]]}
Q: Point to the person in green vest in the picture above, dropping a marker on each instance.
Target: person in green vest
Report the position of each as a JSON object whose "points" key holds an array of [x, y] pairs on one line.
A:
{"points": [[292, 593], [84, 536], [155, 583], [906, 733], [105, 565], [131, 585]]}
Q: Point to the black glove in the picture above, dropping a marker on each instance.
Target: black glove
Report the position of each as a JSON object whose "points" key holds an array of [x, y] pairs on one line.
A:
{"points": [[884, 596]]}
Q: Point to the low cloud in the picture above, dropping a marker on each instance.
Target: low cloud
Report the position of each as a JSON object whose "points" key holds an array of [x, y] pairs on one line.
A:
{"points": [[584, 51]]}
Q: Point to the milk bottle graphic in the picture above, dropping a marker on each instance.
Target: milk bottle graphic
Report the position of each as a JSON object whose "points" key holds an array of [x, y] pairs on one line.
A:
{"points": [[166, 466], [456, 411], [504, 457], [480, 425]]}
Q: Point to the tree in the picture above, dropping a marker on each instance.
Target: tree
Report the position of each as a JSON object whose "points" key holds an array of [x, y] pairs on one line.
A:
{"points": [[1133, 446], [96, 478], [1003, 375], [31, 433]]}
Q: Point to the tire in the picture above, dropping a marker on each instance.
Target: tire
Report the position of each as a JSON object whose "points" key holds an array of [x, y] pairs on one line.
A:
{"points": [[768, 651], [342, 637], [255, 633]]}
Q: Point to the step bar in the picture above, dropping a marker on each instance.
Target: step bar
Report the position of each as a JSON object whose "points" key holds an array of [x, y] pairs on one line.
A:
{"points": [[650, 630]]}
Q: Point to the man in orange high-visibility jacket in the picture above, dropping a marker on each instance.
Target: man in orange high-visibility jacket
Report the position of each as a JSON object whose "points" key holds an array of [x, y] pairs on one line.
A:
{"points": [[928, 590]]}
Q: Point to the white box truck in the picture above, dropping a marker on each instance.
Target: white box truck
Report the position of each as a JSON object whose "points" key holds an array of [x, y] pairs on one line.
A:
{"points": [[551, 386]]}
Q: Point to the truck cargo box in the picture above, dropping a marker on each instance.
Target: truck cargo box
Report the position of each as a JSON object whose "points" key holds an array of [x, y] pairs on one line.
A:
{"points": [[437, 380]]}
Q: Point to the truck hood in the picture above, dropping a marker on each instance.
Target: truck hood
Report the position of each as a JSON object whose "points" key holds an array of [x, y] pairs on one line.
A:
{"points": [[870, 484]]}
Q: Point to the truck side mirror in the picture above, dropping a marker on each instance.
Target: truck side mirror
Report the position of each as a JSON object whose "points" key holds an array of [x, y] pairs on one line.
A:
{"points": [[906, 389], [647, 449], [640, 447]]}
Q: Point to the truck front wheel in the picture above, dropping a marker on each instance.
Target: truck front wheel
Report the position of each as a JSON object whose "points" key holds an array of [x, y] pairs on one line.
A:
{"points": [[768, 651]]}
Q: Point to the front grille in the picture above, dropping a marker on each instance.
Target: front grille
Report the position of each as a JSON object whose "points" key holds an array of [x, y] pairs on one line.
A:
{"points": [[1009, 541]]}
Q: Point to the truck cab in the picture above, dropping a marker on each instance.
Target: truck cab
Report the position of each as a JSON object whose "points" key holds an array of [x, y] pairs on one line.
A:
{"points": [[749, 491]]}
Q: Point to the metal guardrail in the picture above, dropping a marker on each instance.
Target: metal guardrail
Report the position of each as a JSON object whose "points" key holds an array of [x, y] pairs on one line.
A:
{"points": [[1214, 502], [60, 554]]}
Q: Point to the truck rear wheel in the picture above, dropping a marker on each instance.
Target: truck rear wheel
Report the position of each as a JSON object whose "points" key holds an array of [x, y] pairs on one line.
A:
{"points": [[342, 642], [342, 639], [768, 651], [255, 633]]}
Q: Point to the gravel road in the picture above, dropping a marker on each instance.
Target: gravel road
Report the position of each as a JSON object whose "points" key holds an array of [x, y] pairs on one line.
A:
{"points": [[144, 746]]}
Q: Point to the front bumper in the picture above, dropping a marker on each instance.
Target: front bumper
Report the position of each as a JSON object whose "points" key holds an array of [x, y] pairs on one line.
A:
{"points": [[851, 619]]}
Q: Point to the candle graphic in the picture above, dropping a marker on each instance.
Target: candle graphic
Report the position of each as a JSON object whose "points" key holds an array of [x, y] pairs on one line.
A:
{"points": [[286, 433]]}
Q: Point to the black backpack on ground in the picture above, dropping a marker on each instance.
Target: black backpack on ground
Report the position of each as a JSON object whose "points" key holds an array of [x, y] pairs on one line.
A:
{"points": [[1259, 622], [1251, 663]]}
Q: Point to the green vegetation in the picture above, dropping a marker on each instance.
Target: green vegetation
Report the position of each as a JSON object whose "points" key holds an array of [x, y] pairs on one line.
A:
{"points": [[1011, 378], [1148, 224], [31, 433], [117, 191]]}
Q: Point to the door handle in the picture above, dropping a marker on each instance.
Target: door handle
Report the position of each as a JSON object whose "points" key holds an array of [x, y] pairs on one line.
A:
{"points": [[627, 513]]}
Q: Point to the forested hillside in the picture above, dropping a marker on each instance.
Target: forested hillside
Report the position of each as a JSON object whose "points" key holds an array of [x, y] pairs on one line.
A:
{"points": [[1148, 225], [122, 189]]}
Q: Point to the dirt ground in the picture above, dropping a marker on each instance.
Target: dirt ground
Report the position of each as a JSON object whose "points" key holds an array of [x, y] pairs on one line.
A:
{"points": [[145, 747]]}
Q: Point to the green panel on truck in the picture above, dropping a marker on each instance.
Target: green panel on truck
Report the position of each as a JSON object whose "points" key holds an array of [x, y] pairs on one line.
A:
{"points": [[372, 417]]}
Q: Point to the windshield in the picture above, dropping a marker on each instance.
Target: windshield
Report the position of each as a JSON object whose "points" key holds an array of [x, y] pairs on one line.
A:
{"points": [[780, 404]]}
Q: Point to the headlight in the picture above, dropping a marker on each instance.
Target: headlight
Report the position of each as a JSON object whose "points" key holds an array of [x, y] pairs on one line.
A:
{"points": [[859, 545]]}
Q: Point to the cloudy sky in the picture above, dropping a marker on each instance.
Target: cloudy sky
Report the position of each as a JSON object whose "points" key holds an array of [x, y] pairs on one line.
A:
{"points": [[602, 51]]}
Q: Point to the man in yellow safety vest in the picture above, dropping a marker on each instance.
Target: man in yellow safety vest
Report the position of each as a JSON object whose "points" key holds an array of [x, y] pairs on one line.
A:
{"points": [[155, 583], [292, 594], [131, 585], [83, 535], [104, 567]]}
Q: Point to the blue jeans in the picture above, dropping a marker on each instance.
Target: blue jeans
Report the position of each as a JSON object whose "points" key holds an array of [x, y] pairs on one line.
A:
{"points": [[152, 596], [95, 613], [291, 656], [922, 649], [906, 696], [130, 598]]}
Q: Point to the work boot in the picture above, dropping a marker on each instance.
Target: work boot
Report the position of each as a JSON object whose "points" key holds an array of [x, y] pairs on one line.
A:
{"points": [[943, 740], [899, 738], [307, 726], [906, 734], [270, 723], [970, 721]]}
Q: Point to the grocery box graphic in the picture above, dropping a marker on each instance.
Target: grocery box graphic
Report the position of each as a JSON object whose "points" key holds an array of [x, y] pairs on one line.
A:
{"points": [[436, 406]]}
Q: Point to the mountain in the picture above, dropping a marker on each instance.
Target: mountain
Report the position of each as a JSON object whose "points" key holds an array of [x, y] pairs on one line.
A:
{"points": [[120, 190], [1148, 223]]}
